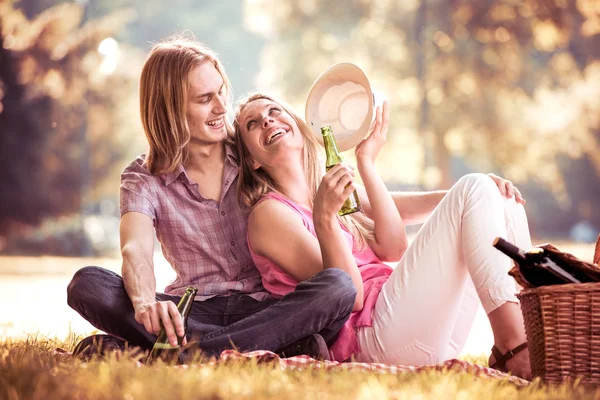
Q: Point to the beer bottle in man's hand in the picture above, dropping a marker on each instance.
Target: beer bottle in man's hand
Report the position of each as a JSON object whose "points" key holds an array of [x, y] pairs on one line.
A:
{"points": [[162, 348]]}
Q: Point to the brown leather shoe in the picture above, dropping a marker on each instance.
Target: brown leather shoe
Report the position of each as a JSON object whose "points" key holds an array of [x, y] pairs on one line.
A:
{"points": [[501, 359], [313, 346], [98, 345]]}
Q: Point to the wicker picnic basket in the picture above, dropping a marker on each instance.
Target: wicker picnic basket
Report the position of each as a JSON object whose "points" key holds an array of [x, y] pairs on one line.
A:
{"points": [[563, 330]]}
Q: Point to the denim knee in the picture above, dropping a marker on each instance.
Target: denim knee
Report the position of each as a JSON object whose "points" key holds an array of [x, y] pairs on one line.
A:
{"points": [[339, 286], [82, 284]]}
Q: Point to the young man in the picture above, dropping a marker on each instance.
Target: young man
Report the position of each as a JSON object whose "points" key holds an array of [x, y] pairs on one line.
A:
{"points": [[183, 188]]}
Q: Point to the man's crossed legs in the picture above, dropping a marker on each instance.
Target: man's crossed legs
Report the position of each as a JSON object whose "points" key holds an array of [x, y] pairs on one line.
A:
{"points": [[320, 305]]}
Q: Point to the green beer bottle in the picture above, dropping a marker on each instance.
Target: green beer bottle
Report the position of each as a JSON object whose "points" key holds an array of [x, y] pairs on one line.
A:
{"points": [[162, 348], [352, 203]]}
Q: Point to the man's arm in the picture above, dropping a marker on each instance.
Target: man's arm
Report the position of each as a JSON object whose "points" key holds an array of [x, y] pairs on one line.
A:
{"points": [[137, 249], [414, 207]]}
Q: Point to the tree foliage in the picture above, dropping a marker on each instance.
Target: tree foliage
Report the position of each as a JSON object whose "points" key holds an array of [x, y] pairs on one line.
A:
{"points": [[507, 85], [81, 122], [60, 111]]}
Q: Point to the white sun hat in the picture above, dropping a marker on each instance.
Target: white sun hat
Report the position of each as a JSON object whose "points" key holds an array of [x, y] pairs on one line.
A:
{"points": [[342, 98]]}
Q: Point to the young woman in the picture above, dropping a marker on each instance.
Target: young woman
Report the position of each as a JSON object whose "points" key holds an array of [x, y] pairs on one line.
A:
{"points": [[421, 311]]}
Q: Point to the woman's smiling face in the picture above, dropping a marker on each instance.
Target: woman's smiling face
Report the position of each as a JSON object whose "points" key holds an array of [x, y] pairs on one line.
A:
{"points": [[268, 132]]}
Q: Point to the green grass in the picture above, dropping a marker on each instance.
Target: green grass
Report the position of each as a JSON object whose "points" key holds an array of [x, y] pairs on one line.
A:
{"points": [[32, 369]]}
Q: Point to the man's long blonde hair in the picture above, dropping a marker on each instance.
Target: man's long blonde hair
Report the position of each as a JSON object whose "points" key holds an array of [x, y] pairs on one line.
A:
{"points": [[163, 99], [255, 183]]}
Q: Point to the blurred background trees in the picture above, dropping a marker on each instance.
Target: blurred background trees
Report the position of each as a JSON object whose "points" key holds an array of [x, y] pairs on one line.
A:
{"points": [[61, 121], [504, 86]]}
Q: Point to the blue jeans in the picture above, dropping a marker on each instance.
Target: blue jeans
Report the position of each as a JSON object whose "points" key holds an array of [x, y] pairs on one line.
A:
{"points": [[321, 305]]}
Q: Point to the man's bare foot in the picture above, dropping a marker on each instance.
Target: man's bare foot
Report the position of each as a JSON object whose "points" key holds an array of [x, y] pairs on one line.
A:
{"points": [[519, 364]]}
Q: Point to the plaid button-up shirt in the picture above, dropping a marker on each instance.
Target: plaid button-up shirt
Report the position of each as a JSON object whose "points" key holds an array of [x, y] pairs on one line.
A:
{"points": [[204, 241]]}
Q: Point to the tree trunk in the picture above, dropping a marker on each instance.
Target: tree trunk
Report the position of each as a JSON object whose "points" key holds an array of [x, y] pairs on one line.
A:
{"points": [[422, 126], [442, 161]]}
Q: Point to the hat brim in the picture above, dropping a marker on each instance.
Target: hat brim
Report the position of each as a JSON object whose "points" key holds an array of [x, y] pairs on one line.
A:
{"points": [[341, 97]]}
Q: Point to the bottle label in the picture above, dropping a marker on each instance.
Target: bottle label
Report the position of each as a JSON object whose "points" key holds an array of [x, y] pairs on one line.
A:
{"points": [[164, 346]]}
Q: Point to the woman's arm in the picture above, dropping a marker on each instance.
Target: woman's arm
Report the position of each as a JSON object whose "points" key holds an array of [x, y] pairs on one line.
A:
{"points": [[390, 240], [414, 207], [335, 188], [277, 232]]}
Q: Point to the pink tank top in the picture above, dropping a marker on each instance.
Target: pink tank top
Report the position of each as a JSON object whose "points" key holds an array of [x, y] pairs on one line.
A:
{"points": [[373, 271]]}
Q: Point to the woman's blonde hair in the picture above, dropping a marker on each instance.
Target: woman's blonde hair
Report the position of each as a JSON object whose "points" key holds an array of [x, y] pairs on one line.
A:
{"points": [[163, 100], [255, 183]]}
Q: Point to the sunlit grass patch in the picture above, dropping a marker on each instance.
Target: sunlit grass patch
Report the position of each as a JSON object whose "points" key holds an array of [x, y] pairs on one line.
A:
{"points": [[33, 369]]}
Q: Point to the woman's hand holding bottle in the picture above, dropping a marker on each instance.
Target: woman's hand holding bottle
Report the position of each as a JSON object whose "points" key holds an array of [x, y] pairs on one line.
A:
{"points": [[336, 186]]}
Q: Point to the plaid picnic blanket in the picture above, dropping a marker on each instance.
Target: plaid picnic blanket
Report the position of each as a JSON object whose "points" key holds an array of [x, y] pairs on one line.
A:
{"points": [[302, 362]]}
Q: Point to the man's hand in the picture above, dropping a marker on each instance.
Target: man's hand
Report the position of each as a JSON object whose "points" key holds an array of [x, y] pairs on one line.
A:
{"points": [[507, 189], [152, 315]]}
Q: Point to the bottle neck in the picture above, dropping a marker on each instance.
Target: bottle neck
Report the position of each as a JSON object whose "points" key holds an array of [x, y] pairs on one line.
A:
{"points": [[510, 250], [332, 153], [185, 304]]}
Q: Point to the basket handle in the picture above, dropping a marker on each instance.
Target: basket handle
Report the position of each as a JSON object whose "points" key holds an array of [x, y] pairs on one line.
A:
{"points": [[597, 251]]}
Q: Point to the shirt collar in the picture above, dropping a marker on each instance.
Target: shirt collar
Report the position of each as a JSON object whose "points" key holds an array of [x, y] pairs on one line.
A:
{"points": [[172, 176], [230, 157]]}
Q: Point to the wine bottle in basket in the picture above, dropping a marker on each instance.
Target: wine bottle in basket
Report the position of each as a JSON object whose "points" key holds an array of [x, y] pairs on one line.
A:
{"points": [[537, 266]]}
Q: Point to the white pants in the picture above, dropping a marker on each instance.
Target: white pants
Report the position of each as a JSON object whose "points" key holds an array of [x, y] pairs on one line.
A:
{"points": [[426, 309]]}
